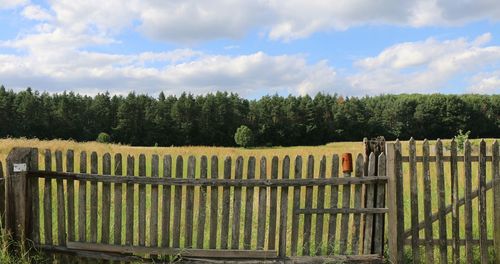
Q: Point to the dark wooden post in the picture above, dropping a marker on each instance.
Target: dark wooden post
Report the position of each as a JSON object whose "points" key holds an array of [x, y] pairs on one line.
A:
{"points": [[17, 196], [395, 203]]}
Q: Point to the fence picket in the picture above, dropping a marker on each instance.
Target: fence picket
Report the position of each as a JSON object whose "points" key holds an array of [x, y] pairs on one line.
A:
{"points": [[61, 212], [129, 207], [357, 204], [70, 167], [35, 196], [306, 244], [214, 202], [235, 231], [202, 204], [378, 233], [118, 171], [142, 202], [166, 196], [334, 194], [176, 228], [93, 198], [468, 201], [261, 220], [441, 202], [320, 204], [455, 226], [106, 199], [368, 237], [247, 239], [296, 206], [495, 171], [47, 201], [153, 222], [273, 206], [225, 205], [82, 200], [284, 210], [483, 235], [188, 242], [414, 202], [344, 224]]}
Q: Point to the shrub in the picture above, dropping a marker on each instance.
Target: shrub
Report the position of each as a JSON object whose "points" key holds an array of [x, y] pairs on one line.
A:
{"points": [[460, 138], [243, 136], [103, 138]]}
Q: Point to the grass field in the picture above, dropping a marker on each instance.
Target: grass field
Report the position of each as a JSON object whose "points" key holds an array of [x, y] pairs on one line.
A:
{"points": [[317, 151]]}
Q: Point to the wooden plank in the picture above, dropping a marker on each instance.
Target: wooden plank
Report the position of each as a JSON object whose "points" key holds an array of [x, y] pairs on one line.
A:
{"points": [[449, 242], [247, 238], [105, 200], [395, 203], [142, 202], [202, 205], [443, 249], [378, 232], [306, 244], [93, 198], [455, 226], [334, 194], [188, 241], [445, 158], [214, 202], [176, 228], [82, 200], [70, 167], [34, 209], [344, 224], [208, 253], [320, 204], [429, 250], [47, 201], [261, 219], [118, 170], [284, 210], [468, 201], [165, 218], [483, 235], [211, 182], [225, 205], [356, 230], [153, 222], [61, 212], [235, 227], [129, 206], [296, 206], [368, 237], [415, 249], [273, 206], [342, 211], [495, 171], [35, 196]]}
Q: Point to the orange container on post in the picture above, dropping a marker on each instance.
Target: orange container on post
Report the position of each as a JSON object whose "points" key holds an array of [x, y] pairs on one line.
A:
{"points": [[346, 163]]}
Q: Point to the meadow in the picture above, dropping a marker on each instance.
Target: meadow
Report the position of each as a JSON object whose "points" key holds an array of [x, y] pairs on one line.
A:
{"points": [[317, 151]]}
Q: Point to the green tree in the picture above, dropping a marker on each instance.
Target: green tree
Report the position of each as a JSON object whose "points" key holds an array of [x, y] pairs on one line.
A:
{"points": [[243, 136], [103, 137]]}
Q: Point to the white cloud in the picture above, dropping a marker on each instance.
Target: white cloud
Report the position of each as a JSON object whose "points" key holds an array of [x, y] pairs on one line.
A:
{"points": [[487, 83], [424, 66], [35, 12], [7, 4]]}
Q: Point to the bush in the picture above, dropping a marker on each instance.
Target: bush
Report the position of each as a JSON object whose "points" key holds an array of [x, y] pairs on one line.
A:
{"points": [[103, 138], [460, 138], [243, 136]]}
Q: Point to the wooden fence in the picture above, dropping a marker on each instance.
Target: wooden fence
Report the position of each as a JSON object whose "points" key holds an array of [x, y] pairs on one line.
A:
{"points": [[170, 209]]}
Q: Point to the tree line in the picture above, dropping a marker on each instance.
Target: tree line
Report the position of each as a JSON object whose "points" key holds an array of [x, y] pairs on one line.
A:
{"points": [[213, 119]]}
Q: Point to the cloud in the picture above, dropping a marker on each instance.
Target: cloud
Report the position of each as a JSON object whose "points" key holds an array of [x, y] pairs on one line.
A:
{"points": [[7, 4], [35, 12], [485, 83], [425, 66]]}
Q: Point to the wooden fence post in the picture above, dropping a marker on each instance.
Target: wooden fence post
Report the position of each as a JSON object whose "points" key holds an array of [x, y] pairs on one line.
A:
{"points": [[496, 200], [395, 203], [17, 196]]}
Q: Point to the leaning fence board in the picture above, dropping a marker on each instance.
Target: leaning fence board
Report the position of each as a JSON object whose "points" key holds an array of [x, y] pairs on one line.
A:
{"points": [[441, 201], [284, 210], [496, 199], [225, 205], [368, 237], [188, 241], [142, 202], [306, 243], [483, 235], [118, 201], [129, 207], [70, 167], [235, 230], [82, 200], [378, 233], [105, 200], [247, 239], [47, 201], [320, 204], [455, 226], [468, 201], [214, 203], [93, 199], [414, 201], [273, 206], [176, 232], [261, 219], [296, 206], [166, 196], [200, 237], [61, 212], [334, 193], [357, 204]]}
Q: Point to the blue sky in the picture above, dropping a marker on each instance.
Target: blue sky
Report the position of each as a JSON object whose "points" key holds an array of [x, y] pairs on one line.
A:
{"points": [[348, 47]]}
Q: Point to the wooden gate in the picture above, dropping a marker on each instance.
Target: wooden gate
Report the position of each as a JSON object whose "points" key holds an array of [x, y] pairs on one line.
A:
{"points": [[156, 208]]}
